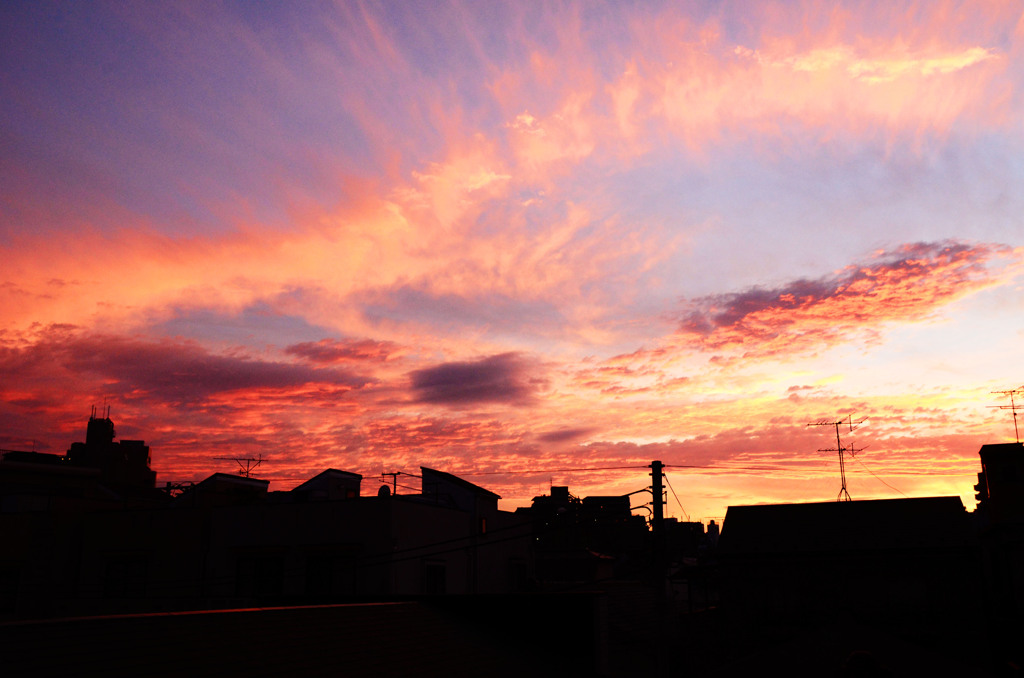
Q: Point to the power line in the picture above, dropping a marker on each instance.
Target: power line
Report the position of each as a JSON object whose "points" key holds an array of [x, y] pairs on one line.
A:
{"points": [[550, 470], [699, 467], [580, 469], [877, 478], [714, 467], [541, 471], [665, 476]]}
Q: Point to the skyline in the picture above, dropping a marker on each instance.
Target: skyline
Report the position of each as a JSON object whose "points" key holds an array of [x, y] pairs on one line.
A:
{"points": [[501, 239]]}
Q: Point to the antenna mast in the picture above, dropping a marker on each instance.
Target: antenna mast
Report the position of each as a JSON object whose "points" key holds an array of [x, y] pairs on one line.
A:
{"points": [[848, 420], [1013, 406], [246, 465]]}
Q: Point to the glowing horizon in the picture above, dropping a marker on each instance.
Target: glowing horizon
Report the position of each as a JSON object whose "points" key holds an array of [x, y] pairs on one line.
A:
{"points": [[503, 241]]}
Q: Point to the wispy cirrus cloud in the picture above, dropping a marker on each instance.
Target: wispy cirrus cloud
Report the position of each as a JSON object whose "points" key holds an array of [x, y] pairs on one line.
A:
{"points": [[814, 68], [874, 70]]}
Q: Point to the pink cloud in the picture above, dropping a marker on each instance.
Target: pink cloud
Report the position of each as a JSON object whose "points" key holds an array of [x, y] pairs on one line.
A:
{"points": [[903, 285], [327, 351]]}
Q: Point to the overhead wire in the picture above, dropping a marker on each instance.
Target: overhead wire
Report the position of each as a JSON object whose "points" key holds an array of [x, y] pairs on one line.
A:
{"points": [[703, 467], [552, 470], [777, 469], [877, 478], [669, 482]]}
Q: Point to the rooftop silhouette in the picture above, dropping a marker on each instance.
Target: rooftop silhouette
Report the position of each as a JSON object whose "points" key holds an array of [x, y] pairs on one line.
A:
{"points": [[87, 533]]}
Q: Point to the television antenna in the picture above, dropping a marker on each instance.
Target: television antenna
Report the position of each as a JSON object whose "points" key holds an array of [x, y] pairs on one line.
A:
{"points": [[1013, 406], [246, 465], [849, 422]]}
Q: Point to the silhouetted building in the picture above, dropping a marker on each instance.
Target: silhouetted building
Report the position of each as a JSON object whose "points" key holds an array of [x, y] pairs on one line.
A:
{"points": [[330, 485], [99, 473], [596, 538], [1001, 517], [713, 532], [223, 489], [683, 539], [894, 559], [1001, 482], [227, 541], [123, 465], [919, 579], [86, 533]]}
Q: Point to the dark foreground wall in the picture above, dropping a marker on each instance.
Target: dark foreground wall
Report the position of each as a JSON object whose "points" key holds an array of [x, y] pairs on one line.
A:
{"points": [[447, 636]]}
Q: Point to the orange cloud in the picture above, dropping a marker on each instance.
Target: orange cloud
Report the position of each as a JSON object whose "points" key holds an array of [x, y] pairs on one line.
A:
{"points": [[566, 134]]}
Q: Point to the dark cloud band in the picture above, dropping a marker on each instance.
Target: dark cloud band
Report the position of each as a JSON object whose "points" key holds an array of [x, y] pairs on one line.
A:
{"points": [[500, 378]]}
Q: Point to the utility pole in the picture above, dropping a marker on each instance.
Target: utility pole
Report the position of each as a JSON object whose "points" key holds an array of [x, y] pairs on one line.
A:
{"points": [[658, 490], [658, 516], [659, 569]]}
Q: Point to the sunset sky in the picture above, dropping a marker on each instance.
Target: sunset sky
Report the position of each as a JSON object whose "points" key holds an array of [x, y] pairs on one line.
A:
{"points": [[524, 243]]}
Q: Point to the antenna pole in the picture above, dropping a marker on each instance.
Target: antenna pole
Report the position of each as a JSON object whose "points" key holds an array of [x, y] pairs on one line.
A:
{"points": [[1012, 407], [844, 495], [245, 466]]}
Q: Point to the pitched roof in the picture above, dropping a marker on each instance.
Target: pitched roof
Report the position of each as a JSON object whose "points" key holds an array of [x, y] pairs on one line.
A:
{"points": [[431, 474], [879, 524]]}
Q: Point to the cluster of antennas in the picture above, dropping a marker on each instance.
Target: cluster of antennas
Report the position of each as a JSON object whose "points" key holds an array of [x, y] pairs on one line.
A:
{"points": [[1015, 395], [848, 422]]}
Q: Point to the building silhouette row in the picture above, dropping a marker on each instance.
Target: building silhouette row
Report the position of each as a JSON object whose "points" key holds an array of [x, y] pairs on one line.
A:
{"points": [[90, 533]]}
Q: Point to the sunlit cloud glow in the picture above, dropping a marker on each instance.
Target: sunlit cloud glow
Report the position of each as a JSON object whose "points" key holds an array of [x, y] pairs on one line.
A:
{"points": [[538, 244]]}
